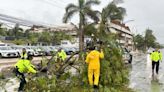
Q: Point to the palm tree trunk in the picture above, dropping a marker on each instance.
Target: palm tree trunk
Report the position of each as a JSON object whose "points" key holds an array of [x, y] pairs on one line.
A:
{"points": [[81, 33]]}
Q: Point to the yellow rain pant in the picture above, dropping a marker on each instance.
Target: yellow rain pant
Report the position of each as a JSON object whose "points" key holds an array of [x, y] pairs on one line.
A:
{"points": [[93, 73]]}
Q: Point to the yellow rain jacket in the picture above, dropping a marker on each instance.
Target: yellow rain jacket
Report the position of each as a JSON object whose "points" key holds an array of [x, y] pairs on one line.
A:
{"points": [[62, 55], [25, 66], [93, 59], [156, 56]]}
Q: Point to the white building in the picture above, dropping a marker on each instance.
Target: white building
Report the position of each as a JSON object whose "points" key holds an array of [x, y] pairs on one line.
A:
{"points": [[125, 35], [67, 28]]}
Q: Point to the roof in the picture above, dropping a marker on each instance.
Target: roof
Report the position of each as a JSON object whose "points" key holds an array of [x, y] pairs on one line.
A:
{"points": [[120, 24]]}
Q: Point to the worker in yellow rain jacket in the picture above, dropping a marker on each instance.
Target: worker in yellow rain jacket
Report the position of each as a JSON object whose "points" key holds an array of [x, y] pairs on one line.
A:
{"points": [[61, 54], [93, 61], [24, 54], [21, 67], [156, 57]]}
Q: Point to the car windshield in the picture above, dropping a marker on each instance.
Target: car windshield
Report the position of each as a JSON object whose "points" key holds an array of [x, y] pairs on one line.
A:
{"points": [[5, 48]]}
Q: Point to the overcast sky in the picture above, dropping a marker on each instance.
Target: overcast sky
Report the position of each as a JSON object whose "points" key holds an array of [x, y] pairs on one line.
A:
{"points": [[145, 13]]}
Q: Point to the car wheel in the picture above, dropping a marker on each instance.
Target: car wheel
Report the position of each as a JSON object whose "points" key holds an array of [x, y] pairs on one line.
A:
{"points": [[0, 55]]}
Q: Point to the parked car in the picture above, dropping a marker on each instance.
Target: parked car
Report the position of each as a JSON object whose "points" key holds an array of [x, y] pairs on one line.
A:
{"points": [[37, 51], [48, 50], [30, 50], [7, 51], [69, 51], [19, 49]]}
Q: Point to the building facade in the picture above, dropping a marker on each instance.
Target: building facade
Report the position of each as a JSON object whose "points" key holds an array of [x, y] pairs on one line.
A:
{"points": [[125, 36]]}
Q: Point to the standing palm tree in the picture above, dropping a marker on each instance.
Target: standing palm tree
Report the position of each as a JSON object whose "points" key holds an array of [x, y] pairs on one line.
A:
{"points": [[84, 10], [110, 12], [17, 31]]}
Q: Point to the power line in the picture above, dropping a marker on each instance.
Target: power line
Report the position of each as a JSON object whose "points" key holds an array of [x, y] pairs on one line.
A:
{"points": [[50, 3], [20, 21]]}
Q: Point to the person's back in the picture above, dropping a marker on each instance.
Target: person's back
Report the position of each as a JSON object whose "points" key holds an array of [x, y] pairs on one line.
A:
{"points": [[155, 56], [93, 59]]}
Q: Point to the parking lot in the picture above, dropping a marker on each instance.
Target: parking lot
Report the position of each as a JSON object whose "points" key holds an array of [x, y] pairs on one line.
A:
{"points": [[9, 51]]}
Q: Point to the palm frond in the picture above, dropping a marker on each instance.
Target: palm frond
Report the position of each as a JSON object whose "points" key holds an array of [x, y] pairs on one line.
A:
{"points": [[122, 10], [68, 15], [92, 14], [71, 7], [92, 2], [112, 12]]}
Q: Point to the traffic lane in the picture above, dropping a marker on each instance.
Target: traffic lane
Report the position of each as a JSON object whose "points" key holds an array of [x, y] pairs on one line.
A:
{"points": [[140, 75]]}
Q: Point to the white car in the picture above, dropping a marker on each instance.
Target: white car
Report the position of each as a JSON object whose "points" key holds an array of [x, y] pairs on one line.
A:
{"points": [[19, 49], [6, 51], [30, 50], [37, 51]]}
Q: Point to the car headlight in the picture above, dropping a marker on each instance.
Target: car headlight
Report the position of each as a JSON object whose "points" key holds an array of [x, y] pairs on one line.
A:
{"points": [[4, 53]]}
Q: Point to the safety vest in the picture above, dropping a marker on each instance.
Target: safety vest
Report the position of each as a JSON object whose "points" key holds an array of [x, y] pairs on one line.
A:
{"points": [[25, 66], [24, 56], [156, 56], [62, 55]]}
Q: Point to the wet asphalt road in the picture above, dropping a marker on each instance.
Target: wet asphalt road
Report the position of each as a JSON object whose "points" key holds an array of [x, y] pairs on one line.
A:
{"points": [[140, 75]]}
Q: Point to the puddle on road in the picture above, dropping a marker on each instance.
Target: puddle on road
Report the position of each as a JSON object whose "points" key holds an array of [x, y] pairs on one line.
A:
{"points": [[140, 76]]}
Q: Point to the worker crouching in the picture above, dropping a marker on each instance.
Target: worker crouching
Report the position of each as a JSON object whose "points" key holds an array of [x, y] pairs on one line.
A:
{"points": [[21, 67]]}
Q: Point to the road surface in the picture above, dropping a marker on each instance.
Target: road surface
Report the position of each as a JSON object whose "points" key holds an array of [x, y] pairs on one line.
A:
{"points": [[9, 62], [140, 75]]}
